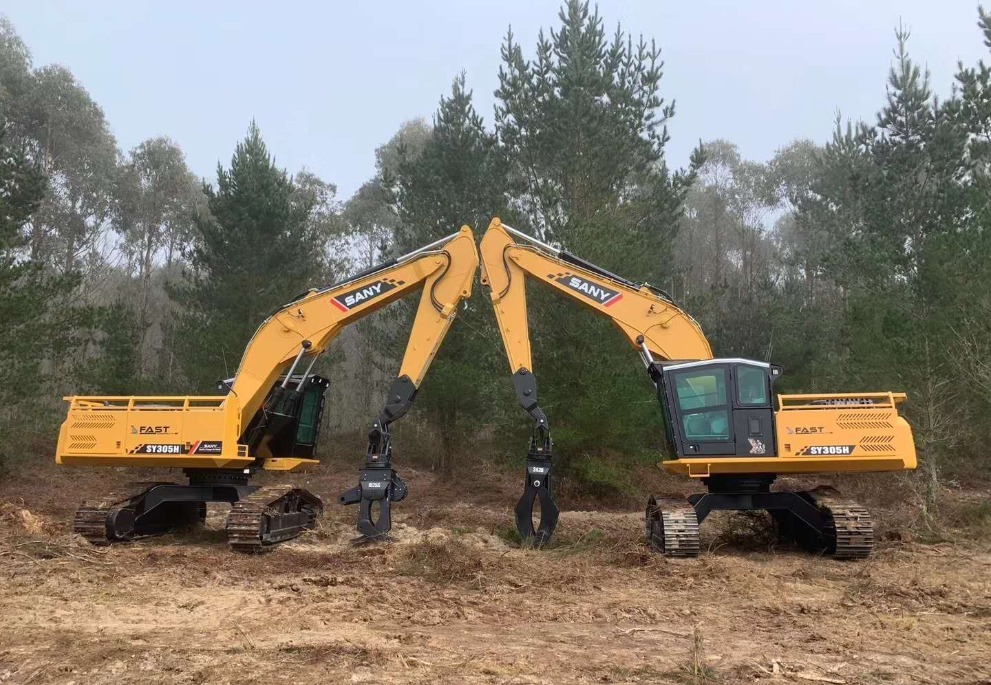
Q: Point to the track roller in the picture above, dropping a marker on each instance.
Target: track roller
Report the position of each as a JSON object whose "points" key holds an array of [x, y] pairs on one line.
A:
{"points": [[271, 515], [672, 527]]}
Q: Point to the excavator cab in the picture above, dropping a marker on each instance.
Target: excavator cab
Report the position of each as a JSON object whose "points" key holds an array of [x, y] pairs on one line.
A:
{"points": [[718, 407]]}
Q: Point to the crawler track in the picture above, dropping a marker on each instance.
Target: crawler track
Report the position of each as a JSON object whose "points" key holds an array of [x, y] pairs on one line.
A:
{"points": [[852, 531], [271, 515], [672, 527]]}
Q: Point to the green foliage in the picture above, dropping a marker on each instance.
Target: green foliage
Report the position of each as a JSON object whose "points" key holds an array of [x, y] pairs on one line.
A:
{"points": [[22, 189], [582, 126], [36, 319], [256, 248], [117, 367]]}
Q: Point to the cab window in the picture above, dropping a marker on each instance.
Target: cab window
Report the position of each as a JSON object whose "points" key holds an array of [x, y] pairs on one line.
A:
{"points": [[702, 404], [751, 386], [706, 426], [701, 389]]}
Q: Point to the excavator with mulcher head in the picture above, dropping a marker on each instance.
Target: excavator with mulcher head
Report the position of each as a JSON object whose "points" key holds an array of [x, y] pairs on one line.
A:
{"points": [[723, 423], [267, 416]]}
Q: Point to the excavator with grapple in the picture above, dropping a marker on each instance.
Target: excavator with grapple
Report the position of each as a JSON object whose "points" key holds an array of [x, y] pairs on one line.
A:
{"points": [[267, 416], [723, 424]]}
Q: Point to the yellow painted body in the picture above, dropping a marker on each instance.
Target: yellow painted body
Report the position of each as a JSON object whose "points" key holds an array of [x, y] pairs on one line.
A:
{"points": [[880, 439], [120, 431]]}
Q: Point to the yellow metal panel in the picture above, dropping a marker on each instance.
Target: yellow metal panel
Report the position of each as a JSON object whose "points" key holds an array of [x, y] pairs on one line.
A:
{"points": [[838, 431], [702, 467], [155, 460], [168, 432]]}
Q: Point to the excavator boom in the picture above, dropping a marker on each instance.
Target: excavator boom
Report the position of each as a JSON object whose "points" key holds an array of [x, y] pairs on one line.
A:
{"points": [[647, 317]]}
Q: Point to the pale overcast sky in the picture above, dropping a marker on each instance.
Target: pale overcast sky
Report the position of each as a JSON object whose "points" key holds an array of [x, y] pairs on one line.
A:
{"points": [[329, 82]]}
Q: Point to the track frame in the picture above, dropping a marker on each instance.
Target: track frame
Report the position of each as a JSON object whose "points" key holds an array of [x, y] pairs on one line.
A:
{"points": [[817, 520]]}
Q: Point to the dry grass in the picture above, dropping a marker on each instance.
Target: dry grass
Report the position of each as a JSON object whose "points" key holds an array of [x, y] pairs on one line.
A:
{"points": [[698, 670], [443, 563]]}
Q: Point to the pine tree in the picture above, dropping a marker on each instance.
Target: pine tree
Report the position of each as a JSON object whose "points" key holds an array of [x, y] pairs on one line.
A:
{"points": [[454, 180], [583, 128], [256, 249]]}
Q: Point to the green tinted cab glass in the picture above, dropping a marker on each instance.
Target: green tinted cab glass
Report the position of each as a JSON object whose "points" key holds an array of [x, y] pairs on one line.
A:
{"points": [[701, 389], [697, 392], [707, 426], [751, 386]]}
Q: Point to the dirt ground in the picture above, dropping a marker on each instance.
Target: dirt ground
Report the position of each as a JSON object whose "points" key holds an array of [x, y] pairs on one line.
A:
{"points": [[452, 600]]}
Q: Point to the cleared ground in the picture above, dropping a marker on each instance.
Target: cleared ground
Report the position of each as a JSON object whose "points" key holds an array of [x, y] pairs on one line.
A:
{"points": [[452, 600]]}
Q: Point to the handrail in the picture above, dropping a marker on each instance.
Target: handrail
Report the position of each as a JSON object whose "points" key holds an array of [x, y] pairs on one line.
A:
{"points": [[882, 400]]}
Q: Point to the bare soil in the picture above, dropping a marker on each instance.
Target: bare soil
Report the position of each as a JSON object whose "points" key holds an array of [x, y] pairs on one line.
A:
{"points": [[452, 600]]}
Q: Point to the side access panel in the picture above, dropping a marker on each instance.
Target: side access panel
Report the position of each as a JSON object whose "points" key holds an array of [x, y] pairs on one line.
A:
{"points": [[753, 430], [835, 431], [166, 432]]}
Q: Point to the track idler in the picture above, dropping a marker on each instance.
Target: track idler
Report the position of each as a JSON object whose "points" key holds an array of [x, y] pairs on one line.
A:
{"points": [[377, 489], [537, 487]]}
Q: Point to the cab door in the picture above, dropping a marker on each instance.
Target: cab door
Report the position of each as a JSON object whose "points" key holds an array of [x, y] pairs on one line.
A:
{"points": [[701, 401], [753, 415]]}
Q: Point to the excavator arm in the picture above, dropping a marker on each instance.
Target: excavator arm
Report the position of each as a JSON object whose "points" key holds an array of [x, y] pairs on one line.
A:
{"points": [[646, 316]]}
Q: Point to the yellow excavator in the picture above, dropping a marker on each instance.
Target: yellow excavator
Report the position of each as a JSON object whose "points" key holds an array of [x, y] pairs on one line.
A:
{"points": [[723, 423], [269, 415]]}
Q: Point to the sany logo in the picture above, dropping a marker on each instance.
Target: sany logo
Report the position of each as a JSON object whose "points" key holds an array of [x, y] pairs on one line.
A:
{"points": [[352, 298], [593, 291]]}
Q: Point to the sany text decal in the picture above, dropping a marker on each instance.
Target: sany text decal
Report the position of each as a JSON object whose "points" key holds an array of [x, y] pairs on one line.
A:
{"points": [[346, 301], [597, 293]]}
